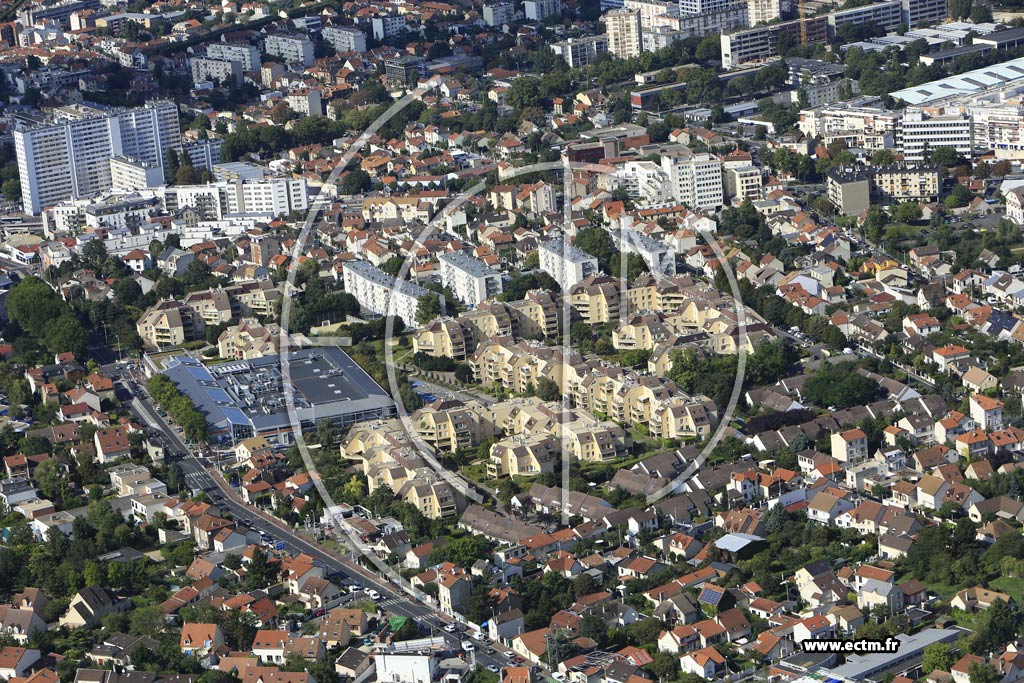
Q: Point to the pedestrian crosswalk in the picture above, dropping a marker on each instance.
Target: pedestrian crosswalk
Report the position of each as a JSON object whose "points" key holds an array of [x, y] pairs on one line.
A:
{"points": [[389, 602]]}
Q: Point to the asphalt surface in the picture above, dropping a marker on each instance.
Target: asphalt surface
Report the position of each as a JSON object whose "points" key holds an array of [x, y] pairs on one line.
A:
{"points": [[198, 475]]}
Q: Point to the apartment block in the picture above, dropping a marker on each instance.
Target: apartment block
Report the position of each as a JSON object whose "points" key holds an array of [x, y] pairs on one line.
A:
{"points": [[624, 32], [68, 154], [219, 71], [472, 280], [345, 38], [290, 49], [565, 263], [243, 53], [539, 10], [579, 52], [499, 13], [382, 294], [761, 43], [886, 15], [694, 179]]}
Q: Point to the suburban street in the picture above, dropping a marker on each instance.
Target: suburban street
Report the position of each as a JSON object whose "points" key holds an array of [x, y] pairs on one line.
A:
{"points": [[394, 600]]}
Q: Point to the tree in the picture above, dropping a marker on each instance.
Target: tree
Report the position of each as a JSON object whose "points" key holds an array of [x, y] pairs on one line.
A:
{"points": [[709, 49], [547, 389], [356, 181], [907, 212], [186, 175], [523, 93], [11, 189], [959, 196], [598, 243], [944, 156], [982, 672], [937, 656], [428, 308]]}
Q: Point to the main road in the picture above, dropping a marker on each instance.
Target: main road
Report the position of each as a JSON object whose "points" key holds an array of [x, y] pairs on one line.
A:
{"points": [[393, 599]]}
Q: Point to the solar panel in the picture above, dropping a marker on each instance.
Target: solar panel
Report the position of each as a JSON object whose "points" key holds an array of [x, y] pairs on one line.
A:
{"points": [[710, 596]]}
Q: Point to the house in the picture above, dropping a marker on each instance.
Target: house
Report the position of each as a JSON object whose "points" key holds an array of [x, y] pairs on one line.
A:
{"points": [[111, 444], [1000, 507], [813, 628], [90, 605], [16, 662], [947, 357], [200, 639], [978, 598], [987, 412], [706, 662], [505, 626]]}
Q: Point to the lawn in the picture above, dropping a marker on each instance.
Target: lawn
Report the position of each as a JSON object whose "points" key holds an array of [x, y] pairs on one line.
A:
{"points": [[1011, 586]]}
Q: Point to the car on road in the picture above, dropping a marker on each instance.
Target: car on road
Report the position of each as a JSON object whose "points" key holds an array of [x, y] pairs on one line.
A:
{"points": [[489, 650], [451, 628], [374, 595], [468, 645], [492, 668]]}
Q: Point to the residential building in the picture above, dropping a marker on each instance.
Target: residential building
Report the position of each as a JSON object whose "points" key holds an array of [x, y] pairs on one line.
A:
{"points": [[68, 155], [345, 38], [290, 49], [624, 33], [470, 279], [565, 263], [382, 294]]}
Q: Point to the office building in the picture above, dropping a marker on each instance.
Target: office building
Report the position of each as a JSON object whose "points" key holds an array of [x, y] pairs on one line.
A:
{"points": [[565, 263], [381, 293], [219, 71], [578, 52], [290, 49], [761, 43], [921, 131], [260, 397], [345, 38], [693, 179], [243, 53], [924, 12], [472, 280], [68, 154], [886, 15], [624, 33], [404, 71]]}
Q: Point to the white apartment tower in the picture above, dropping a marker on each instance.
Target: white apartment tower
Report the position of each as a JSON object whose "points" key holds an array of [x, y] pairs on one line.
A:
{"points": [[704, 6], [624, 32], [382, 294], [243, 53], [345, 38], [565, 263], [472, 280], [694, 179], [68, 156], [290, 49]]}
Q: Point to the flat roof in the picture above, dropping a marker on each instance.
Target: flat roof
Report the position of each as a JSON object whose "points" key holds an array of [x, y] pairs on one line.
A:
{"points": [[325, 383], [969, 83], [858, 667]]}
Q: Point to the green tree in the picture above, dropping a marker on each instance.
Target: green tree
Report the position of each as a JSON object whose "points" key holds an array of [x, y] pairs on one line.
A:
{"points": [[428, 308], [937, 656], [907, 212], [547, 390], [11, 189], [982, 672], [356, 181]]}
